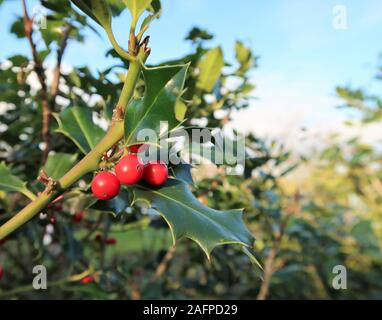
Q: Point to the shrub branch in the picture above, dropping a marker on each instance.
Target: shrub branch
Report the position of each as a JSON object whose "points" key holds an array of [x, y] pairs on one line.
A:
{"points": [[91, 161]]}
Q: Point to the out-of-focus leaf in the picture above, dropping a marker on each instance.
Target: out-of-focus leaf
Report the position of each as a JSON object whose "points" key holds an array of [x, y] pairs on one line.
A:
{"points": [[17, 28], [155, 7], [180, 110], [198, 34], [18, 60], [210, 68], [244, 57]]}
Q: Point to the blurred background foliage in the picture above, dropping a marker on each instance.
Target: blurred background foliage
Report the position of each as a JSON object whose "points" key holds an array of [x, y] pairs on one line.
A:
{"points": [[307, 214]]}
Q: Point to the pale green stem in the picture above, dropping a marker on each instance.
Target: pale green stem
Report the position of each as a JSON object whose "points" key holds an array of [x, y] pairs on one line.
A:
{"points": [[123, 53], [29, 194]]}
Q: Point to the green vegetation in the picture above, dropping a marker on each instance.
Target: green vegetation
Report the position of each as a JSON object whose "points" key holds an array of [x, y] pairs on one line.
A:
{"points": [[303, 224]]}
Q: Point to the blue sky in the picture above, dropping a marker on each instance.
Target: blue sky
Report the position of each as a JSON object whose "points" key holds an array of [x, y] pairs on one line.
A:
{"points": [[302, 57]]}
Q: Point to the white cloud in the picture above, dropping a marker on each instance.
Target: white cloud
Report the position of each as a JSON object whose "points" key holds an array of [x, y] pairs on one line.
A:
{"points": [[298, 114]]}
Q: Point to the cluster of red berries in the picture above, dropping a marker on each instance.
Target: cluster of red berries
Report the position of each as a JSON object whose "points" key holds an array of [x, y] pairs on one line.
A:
{"points": [[129, 170]]}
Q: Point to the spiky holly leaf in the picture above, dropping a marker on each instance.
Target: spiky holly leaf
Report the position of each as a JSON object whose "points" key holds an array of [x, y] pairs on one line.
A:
{"points": [[187, 217], [10, 182], [182, 172], [77, 124], [164, 86], [114, 206], [98, 10], [59, 163]]}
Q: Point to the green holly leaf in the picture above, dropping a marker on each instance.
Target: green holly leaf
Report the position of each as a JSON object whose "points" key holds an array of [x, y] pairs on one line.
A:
{"points": [[182, 172], [187, 217], [164, 85], [58, 164], [258, 268], [137, 7], [76, 123], [98, 10], [210, 68], [10, 182], [114, 206]]}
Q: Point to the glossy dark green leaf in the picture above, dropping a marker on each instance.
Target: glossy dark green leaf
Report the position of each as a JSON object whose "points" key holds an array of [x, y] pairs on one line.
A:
{"points": [[114, 206], [187, 217], [182, 172], [164, 85], [255, 262], [77, 124], [58, 164], [210, 68], [10, 182], [98, 10]]}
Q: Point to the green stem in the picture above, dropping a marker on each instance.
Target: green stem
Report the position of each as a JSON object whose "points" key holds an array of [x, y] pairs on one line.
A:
{"points": [[28, 288], [89, 163], [124, 54], [29, 194]]}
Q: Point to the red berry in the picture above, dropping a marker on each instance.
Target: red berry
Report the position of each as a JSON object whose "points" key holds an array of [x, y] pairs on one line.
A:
{"points": [[87, 279], [111, 241], [156, 173], [105, 186], [129, 169], [53, 220], [78, 216], [98, 237], [1, 272], [138, 148]]}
